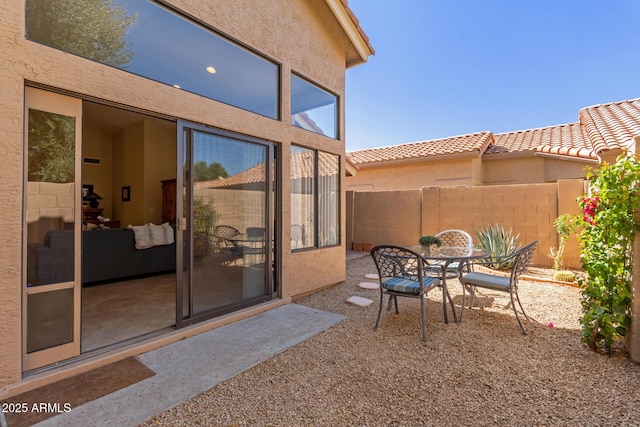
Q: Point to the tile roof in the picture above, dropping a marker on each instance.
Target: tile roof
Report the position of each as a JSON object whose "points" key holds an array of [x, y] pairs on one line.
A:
{"points": [[302, 165], [601, 127], [611, 125], [473, 143], [568, 140], [356, 22]]}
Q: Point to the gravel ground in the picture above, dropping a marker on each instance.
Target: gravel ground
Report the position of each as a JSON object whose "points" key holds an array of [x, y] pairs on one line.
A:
{"points": [[480, 372]]}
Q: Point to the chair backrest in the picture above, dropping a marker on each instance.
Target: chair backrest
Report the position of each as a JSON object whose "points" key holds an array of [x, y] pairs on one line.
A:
{"points": [[522, 259], [396, 261], [225, 231], [297, 233], [258, 232], [459, 239]]}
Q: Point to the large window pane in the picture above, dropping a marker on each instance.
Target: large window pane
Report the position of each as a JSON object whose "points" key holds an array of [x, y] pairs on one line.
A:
{"points": [[146, 39], [315, 196], [313, 108], [49, 319], [229, 222], [50, 198], [302, 198], [328, 197], [51, 146]]}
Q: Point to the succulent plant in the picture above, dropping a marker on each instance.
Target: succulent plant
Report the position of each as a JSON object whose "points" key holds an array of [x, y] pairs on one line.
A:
{"points": [[564, 276], [498, 242]]}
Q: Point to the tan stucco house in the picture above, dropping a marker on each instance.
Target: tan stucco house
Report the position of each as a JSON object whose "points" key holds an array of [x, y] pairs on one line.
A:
{"points": [[529, 156], [123, 124]]}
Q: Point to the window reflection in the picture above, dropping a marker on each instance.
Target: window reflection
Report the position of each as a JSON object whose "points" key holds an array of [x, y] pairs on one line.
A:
{"points": [[149, 40], [50, 198], [312, 108], [50, 228], [328, 197], [315, 195], [229, 222], [302, 198]]}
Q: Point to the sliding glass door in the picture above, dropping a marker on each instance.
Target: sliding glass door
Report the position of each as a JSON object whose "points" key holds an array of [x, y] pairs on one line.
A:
{"points": [[227, 250]]}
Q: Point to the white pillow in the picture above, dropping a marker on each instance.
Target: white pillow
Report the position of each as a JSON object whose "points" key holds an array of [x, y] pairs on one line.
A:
{"points": [[157, 234], [168, 230], [142, 236]]}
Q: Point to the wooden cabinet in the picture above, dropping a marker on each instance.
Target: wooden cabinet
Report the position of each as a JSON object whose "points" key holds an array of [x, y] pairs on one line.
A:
{"points": [[91, 214], [169, 201]]}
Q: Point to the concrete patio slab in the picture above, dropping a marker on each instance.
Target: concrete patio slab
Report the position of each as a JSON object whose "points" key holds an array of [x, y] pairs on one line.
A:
{"points": [[196, 364]]}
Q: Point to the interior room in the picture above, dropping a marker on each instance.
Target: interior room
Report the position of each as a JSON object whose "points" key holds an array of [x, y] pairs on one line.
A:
{"points": [[128, 178], [129, 171]]}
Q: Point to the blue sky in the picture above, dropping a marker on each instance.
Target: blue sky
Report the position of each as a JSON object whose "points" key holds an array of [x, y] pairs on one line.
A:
{"points": [[451, 67]]}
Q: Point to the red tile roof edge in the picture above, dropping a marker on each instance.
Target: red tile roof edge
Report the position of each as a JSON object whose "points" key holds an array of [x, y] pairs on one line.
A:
{"points": [[465, 144], [600, 128], [356, 23]]}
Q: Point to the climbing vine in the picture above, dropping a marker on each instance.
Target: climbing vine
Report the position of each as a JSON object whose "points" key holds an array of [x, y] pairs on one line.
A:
{"points": [[608, 225]]}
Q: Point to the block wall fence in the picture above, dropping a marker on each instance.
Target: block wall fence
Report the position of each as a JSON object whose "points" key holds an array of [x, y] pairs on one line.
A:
{"points": [[401, 217]]}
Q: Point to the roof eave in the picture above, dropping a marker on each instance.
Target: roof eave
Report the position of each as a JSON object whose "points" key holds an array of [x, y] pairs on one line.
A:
{"points": [[351, 168], [509, 155], [568, 158], [353, 33]]}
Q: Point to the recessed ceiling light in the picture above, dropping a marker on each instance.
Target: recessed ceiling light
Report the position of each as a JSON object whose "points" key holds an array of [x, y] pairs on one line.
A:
{"points": [[211, 69], [177, 86]]}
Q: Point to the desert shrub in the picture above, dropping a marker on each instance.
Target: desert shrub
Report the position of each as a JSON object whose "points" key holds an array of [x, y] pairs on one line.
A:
{"points": [[498, 242]]}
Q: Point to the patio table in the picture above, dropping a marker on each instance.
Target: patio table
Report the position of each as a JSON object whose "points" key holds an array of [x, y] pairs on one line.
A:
{"points": [[438, 265], [249, 244]]}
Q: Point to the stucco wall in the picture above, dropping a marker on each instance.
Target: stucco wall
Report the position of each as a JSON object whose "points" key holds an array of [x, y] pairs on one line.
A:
{"points": [[11, 131], [472, 170], [512, 170], [531, 169], [302, 36], [407, 176]]}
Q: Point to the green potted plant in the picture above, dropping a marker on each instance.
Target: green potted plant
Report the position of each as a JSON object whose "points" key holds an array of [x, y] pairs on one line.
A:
{"points": [[205, 217], [427, 242]]}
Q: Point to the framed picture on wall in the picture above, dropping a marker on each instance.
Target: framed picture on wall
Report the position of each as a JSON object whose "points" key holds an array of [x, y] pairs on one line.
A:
{"points": [[126, 193], [86, 190]]}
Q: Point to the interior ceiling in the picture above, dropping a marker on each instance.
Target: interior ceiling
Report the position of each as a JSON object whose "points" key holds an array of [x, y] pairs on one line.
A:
{"points": [[112, 119]]}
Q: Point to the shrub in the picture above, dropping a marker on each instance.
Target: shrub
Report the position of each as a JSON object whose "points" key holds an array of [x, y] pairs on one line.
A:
{"points": [[608, 223], [564, 225], [498, 242]]}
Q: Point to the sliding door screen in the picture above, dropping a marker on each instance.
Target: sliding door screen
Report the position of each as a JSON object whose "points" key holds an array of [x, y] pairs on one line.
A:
{"points": [[228, 188]]}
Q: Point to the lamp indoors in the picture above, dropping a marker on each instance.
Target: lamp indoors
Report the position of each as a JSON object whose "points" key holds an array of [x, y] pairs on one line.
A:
{"points": [[93, 200]]}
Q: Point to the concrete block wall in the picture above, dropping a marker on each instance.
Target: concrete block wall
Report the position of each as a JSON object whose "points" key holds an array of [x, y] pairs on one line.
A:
{"points": [[401, 217], [387, 217]]}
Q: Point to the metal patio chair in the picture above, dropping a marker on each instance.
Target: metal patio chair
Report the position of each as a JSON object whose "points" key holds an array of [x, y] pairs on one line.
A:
{"points": [[520, 261], [297, 234], [401, 275], [457, 241], [225, 232]]}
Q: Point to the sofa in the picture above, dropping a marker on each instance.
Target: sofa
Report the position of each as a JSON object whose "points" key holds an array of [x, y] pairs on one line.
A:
{"points": [[107, 255], [52, 261], [110, 254]]}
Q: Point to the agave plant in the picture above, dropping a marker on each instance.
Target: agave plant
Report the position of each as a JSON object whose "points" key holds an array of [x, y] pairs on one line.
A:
{"points": [[498, 242]]}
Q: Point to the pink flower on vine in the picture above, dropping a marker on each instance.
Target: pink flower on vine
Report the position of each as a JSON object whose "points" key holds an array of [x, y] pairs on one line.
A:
{"points": [[590, 207]]}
